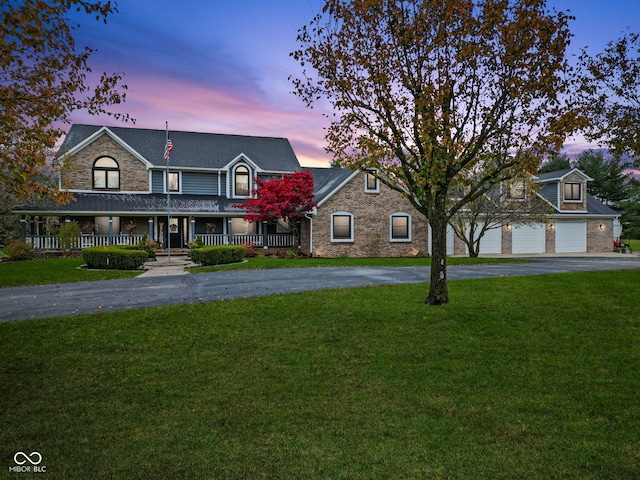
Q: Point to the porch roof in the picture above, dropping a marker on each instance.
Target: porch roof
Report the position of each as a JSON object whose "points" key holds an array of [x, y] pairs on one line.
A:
{"points": [[104, 204]]}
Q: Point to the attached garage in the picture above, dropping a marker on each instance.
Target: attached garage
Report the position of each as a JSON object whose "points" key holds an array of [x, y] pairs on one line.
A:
{"points": [[491, 242], [571, 237], [528, 238]]}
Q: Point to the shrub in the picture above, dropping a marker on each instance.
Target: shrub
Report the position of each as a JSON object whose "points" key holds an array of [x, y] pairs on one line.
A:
{"points": [[114, 258], [19, 250], [68, 235], [196, 243], [218, 255], [145, 244], [250, 250]]}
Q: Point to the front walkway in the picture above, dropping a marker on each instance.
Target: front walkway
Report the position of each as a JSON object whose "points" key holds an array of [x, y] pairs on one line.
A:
{"points": [[163, 266]]}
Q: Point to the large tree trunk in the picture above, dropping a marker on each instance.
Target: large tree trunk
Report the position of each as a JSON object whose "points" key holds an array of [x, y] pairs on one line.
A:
{"points": [[438, 290]]}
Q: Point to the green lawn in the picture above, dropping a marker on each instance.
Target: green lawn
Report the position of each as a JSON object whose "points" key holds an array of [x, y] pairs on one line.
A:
{"points": [[518, 378], [65, 270], [59, 270], [634, 244]]}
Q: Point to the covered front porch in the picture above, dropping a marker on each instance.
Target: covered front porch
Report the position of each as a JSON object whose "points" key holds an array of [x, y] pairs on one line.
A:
{"points": [[40, 232]]}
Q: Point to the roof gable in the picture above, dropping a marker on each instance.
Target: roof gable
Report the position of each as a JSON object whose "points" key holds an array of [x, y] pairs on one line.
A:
{"points": [[70, 148], [559, 175]]}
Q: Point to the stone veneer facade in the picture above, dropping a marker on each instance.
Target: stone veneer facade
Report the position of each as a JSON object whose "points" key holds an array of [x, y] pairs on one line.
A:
{"points": [[78, 173], [371, 224]]}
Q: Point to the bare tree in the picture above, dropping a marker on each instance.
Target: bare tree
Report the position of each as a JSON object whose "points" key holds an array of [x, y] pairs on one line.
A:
{"points": [[514, 202]]}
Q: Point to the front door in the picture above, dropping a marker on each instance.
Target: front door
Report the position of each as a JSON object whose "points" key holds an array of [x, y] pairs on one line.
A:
{"points": [[178, 232]]}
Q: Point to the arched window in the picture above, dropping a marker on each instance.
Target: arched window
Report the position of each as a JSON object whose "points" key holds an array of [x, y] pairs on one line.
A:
{"points": [[106, 174], [241, 182]]}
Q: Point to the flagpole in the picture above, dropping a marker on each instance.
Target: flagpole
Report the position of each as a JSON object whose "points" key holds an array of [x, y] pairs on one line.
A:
{"points": [[167, 154]]}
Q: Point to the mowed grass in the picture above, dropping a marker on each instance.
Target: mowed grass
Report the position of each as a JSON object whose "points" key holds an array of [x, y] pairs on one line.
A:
{"points": [[528, 377], [59, 270]]}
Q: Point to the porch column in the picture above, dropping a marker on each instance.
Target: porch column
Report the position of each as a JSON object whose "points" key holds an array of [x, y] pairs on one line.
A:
{"points": [[151, 228], [265, 243], [110, 230], [192, 233], [23, 226], [230, 231]]}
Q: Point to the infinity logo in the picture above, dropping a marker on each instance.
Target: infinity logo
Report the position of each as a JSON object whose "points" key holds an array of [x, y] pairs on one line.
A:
{"points": [[34, 458]]}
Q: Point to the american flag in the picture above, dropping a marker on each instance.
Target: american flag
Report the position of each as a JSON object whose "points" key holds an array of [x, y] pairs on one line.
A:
{"points": [[167, 149]]}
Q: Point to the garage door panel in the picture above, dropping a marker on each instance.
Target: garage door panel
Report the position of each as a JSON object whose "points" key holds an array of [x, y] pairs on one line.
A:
{"points": [[491, 242], [528, 238], [571, 237]]}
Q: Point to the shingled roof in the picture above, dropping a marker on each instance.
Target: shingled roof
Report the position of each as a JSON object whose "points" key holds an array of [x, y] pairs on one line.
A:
{"points": [[327, 180], [195, 150], [135, 204]]}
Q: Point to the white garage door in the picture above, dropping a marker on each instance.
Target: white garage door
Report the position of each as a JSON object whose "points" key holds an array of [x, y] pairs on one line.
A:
{"points": [[571, 237], [491, 241], [528, 238], [450, 239]]}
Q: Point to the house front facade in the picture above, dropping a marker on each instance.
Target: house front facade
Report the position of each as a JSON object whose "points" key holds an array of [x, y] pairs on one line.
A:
{"points": [[124, 189]]}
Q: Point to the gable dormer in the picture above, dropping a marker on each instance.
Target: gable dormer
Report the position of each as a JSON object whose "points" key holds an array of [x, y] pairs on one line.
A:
{"points": [[566, 190]]}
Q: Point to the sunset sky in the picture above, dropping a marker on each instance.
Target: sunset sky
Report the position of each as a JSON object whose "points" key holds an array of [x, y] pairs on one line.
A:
{"points": [[222, 66]]}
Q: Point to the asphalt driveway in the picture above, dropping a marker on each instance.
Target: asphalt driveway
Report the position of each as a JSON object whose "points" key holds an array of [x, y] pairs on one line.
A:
{"points": [[23, 303]]}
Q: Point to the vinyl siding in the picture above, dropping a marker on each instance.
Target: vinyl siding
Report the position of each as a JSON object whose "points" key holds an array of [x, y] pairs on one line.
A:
{"points": [[157, 181], [199, 183]]}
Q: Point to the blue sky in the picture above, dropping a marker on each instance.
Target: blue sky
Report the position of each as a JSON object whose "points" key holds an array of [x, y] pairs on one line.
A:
{"points": [[222, 66]]}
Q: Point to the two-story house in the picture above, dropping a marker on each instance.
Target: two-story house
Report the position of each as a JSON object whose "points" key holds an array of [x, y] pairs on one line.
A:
{"points": [[124, 188]]}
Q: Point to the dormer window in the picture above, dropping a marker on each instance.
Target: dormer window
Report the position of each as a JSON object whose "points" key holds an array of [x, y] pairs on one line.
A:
{"points": [[516, 190], [106, 174], [573, 192], [241, 182]]}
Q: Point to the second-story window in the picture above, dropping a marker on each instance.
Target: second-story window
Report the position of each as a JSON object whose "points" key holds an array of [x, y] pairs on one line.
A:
{"points": [[371, 182], [241, 186], [174, 182], [573, 192], [106, 174]]}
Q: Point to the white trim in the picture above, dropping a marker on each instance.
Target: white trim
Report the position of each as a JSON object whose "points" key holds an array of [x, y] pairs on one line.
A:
{"points": [[400, 215], [166, 181], [91, 138], [563, 185], [562, 177], [351, 227], [241, 158], [376, 189], [233, 180]]}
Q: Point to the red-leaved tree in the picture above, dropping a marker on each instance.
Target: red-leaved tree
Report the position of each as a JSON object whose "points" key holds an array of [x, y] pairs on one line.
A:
{"points": [[287, 198]]}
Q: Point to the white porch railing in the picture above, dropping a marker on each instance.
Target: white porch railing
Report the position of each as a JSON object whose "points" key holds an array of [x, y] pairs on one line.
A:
{"points": [[50, 242], [275, 240]]}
